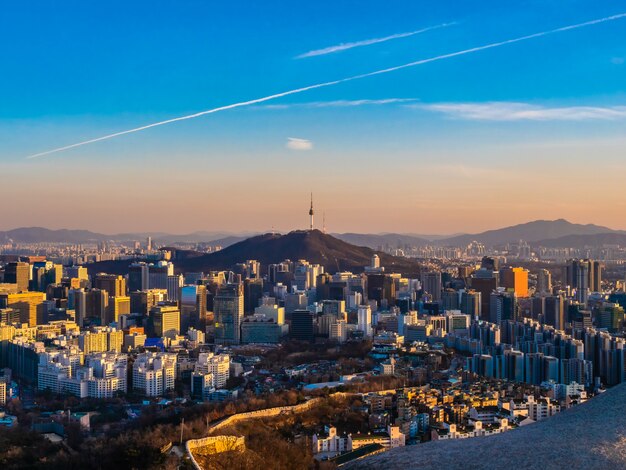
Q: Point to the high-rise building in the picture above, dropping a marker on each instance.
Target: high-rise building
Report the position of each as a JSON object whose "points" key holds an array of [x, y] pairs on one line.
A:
{"points": [[503, 306], [554, 312], [301, 327], [117, 306], [114, 284], [143, 301], [471, 303], [166, 320], [193, 310], [544, 281], [364, 318], [159, 273], [228, 313], [77, 272], [18, 273], [44, 274], [515, 280], [252, 294], [450, 300], [138, 277], [29, 304], [431, 284], [584, 275], [174, 283], [484, 281]]}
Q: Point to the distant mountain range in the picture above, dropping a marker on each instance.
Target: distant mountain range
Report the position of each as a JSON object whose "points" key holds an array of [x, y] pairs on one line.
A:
{"points": [[44, 235], [532, 232], [540, 232]]}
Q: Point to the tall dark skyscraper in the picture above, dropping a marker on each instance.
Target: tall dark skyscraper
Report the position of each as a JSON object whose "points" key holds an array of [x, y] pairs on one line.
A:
{"points": [[228, 311], [301, 327], [18, 273], [585, 276]]}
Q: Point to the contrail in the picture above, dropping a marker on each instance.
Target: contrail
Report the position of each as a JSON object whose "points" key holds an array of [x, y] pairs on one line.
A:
{"points": [[336, 82], [369, 42]]}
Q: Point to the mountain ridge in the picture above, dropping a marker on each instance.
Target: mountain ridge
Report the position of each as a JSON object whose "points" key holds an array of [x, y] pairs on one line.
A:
{"points": [[533, 232]]}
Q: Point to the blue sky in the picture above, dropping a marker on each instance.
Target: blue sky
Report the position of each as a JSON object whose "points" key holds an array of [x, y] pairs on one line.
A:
{"points": [[525, 119]]}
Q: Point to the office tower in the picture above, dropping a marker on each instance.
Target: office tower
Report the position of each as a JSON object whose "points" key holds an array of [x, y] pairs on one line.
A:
{"points": [[450, 300], [515, 280], [138, 277], [115, 285], [99, 306], [193, 308], [117, 306], [165, 320], [149, 243], [554, 312], [91, 307], [174, 283], [45, 273], [159, 273], [334, 307], [18, 273], [544, 281], [484, 281], [503, 306], [77, 272], [364, 318], [143, 301], [584, 275], [431, 284], [301, 327], [537, 307], [596, 282], [228, 313], [252, 294], [29, 304], [381, 288], [471, 303]]}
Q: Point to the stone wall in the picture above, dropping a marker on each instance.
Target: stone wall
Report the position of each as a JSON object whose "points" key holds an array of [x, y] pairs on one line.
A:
{"points": [[213, 445]]}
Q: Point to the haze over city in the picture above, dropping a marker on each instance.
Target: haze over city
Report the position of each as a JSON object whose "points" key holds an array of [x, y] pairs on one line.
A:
{"points": [[502, 131]]}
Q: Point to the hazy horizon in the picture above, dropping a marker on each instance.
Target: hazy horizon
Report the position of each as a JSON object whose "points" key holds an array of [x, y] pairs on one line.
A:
{"points": [[318, 225]]}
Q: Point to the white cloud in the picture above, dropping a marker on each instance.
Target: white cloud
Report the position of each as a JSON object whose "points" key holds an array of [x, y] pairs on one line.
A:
{"points": [[294, 143], [511, 111], [367, 42]]}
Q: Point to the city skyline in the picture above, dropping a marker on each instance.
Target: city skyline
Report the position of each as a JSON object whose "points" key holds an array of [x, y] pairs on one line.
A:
{"points": [[448, 145]]}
